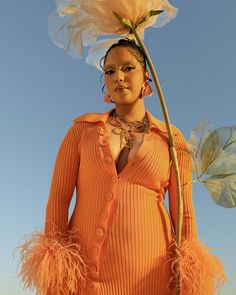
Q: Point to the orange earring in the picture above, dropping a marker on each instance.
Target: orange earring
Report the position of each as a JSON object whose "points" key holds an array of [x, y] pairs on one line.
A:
{"points": [[107, 98], [146, 89]]}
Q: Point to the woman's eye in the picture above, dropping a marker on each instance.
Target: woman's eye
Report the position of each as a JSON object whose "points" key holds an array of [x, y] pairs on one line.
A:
{"points": [[129, 68], [109, 72]]}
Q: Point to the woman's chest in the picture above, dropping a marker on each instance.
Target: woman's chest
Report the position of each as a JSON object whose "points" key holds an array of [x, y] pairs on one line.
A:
{"points": [[117, 143], [149, 156]]}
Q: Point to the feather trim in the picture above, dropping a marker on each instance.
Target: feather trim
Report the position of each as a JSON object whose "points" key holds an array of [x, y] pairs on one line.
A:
{"points": [[52, 264], [201, 273]]}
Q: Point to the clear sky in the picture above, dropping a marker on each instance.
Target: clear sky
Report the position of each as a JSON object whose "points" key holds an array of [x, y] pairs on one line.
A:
{"points": [[42, 90]]}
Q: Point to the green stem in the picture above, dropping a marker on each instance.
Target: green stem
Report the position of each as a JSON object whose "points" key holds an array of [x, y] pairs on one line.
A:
{"points": [[171, 144]]}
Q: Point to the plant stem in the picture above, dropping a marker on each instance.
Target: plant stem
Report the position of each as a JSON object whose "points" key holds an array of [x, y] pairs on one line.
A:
{"points": [[171, 145]]}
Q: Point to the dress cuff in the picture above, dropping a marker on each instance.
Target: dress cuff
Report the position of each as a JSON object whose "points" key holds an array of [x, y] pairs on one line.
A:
{"points": [[52, 264], [194, 269]]}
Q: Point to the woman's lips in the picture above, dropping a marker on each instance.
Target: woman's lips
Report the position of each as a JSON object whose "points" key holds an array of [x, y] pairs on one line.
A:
{"points": [[120, 88]]}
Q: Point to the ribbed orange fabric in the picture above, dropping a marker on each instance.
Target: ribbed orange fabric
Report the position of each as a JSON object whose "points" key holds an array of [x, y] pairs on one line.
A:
{"points": [[124, 226]]}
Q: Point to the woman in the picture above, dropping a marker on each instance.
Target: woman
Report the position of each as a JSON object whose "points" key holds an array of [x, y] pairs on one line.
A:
{"points": [[120, 164]]}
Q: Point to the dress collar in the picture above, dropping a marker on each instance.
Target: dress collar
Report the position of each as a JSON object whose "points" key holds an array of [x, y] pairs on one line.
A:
{"points": [[154, 124]]}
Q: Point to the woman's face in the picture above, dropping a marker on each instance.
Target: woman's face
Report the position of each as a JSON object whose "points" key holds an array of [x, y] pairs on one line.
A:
{"points": [[124, 75]]}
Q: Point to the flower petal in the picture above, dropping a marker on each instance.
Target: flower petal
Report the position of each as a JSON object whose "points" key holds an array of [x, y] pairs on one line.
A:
{"points": [[83, 21], [97, 51]]}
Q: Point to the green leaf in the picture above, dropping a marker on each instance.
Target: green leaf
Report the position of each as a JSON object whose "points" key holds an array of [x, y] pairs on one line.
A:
{"points": [[126, 22], [150, 14], [156, 12]]}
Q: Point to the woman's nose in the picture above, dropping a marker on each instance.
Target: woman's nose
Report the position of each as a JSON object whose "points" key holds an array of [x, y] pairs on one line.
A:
{"points": [[119, 76]]}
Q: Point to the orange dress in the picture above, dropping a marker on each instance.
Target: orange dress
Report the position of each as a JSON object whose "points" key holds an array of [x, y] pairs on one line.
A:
{"points": [[124, 228]]}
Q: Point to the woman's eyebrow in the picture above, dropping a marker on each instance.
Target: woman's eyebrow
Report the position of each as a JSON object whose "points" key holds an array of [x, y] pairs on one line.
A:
{"points": [[112, 66]]}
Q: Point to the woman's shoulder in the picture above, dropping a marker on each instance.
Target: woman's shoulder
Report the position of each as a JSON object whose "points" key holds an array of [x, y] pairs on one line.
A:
{"points": [[91, 117], [162, 126], [81, 123]]}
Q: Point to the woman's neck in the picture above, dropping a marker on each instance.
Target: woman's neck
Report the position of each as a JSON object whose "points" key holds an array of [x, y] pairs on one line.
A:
{"points": [[131, 113]]}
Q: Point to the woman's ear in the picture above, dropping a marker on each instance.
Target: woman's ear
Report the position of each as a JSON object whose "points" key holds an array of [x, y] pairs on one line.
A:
{"points": [[147, 76]]}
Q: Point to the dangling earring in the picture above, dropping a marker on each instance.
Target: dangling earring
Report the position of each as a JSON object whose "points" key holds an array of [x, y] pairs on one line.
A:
{"points": [[146, 89], [107, 98]]}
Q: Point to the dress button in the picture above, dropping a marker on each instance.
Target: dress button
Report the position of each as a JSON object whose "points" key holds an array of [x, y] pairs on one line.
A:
{"points": [[102, 132], [114, 179], [92, 287], [99, 232], [103, 141], [108, 160], [110, 196], [94, 268], [103, 215], [95, 251]]}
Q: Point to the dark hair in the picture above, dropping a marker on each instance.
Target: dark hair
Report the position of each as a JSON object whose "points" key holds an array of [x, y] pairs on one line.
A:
{"points": [[125, 43], [130, 44]]}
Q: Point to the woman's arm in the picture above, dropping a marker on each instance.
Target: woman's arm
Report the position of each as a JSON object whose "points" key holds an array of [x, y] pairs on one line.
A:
{"points": [[51, 261], [201, 271], [189, 229], [63, 181]]}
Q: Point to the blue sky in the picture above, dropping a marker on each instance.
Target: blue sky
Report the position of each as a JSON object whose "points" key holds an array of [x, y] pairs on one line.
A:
{"points": [[43, 90]]}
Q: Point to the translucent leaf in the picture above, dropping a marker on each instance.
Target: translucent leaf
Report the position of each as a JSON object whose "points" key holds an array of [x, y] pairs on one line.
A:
{"points": [[209, 151], [218, 152], [195, 143], [213, 154], [222, 189]]}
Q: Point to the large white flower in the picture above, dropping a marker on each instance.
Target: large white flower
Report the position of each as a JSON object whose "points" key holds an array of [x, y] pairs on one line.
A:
{"points": [[78, 23]]}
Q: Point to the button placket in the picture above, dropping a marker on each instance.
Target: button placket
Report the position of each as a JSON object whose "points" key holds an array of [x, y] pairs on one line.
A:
{"points": [[103, 215], [105, 151], [103, 140], [108, 160], [110, 196], [102, 130], [94, 268], [114, 178], [99, 232], [99, 236], [95, 251]]}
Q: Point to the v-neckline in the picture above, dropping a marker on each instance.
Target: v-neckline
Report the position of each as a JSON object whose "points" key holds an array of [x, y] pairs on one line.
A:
{"points": [[122, 159], [129, 160]]}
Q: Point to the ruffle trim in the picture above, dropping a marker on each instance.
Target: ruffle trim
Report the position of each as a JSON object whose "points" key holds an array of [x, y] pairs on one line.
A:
{"points": [[198, 271], [52, 264]]}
